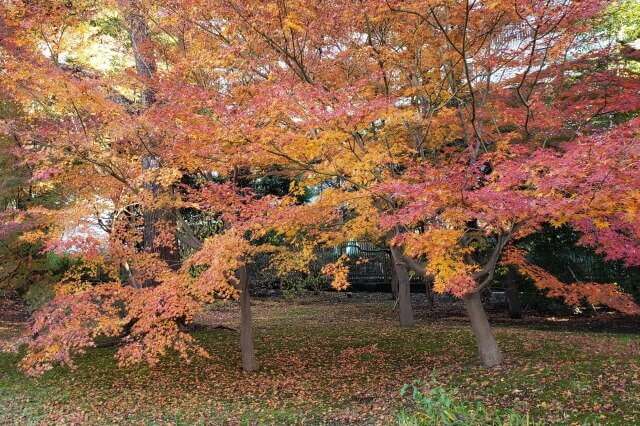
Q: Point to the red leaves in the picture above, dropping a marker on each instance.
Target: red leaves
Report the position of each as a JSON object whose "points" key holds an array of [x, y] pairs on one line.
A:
{"points": [[238, 207], [455, 129], [68, 324], [573, 294]]}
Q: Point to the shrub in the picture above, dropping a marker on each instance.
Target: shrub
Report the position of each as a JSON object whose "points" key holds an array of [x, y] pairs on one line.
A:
{"points": [[293, 284], [32, 272], [317, 283]]}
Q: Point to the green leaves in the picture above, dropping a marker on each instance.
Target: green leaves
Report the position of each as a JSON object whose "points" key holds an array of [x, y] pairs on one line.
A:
{"points": [[437, 405]]}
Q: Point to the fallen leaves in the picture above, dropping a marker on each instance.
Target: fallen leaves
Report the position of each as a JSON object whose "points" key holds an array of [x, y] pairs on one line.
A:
{"points": [[333, 359]]}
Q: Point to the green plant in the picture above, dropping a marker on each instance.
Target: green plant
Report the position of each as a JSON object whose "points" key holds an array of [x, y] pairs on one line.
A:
{"points": [[37, 295], [293, 284], [296, 283], [440, 406], [317, 282], [32, 273]]}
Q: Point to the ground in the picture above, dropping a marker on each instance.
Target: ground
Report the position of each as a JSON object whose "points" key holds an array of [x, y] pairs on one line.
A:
{"points": [[334, 359]]}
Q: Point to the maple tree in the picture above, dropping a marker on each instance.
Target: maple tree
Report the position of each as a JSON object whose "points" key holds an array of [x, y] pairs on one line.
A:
{"points": [[450, 130], [123, 173], [445, 129]]}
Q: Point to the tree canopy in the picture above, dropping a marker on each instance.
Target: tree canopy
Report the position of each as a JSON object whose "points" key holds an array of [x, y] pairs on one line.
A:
{"points": [[445, 129]]}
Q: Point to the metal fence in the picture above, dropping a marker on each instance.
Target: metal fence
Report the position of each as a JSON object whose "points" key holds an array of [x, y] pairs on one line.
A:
{"points": [[368, 263]]}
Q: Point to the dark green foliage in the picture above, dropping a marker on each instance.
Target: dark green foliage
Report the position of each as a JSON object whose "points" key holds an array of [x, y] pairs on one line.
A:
{"points": [[24, 268], [558, 252], [271, 185], [31, 273]]}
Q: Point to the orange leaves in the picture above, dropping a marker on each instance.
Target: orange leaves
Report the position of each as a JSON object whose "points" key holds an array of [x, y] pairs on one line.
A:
{"points": [[164, 177], [446, 260], [74, 280], [293, 257], [68, 324], [408, 118], [221, 256], [147, 317], [292, 22], [162, 336]]}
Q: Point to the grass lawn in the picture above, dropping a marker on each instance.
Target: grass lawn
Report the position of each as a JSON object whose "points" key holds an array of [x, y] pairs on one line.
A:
{"points": [[336, 360]]}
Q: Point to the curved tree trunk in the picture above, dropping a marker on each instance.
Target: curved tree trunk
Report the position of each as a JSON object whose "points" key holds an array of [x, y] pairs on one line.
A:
{"points": [[487, 346], [249, 362], [418, 267], [511, 293], [404, 293]]}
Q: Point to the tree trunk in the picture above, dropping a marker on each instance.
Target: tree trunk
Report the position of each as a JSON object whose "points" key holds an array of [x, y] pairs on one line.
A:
{"points": [[418, 267], [487, 347], [154, 218], [157, 218], [404, 292], [428, 284], [249, 362], [394, 281], [485, 295], [511, 293]]}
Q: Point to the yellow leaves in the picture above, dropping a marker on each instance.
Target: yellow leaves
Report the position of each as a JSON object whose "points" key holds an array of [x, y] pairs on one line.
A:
{"points": [[297, 188], [444, 128], [167, 176], [32, 237], [339, 270], [558, 222], [363, 223], [451, 274], [445, 259], [292, 22], [601, 224], [217, 263], [411, 91], [293, 258], [164, 176], [74, 280], [406, 126], [72, 286], [99, 53], [44, 186], [502, 145], [432, 240], [633, 205]]}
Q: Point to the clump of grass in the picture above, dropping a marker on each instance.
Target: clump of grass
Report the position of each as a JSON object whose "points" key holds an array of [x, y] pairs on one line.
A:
{"points": [[435, 405]]}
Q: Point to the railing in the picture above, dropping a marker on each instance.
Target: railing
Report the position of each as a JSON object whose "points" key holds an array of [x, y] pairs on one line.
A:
{"points": [[369, 265]]}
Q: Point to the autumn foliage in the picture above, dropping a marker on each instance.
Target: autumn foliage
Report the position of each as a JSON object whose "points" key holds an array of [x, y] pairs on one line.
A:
{"points": [[448, 129]]}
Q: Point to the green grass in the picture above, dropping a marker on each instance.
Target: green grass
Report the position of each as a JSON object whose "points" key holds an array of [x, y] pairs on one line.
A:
{"points": [[334, 363]]}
